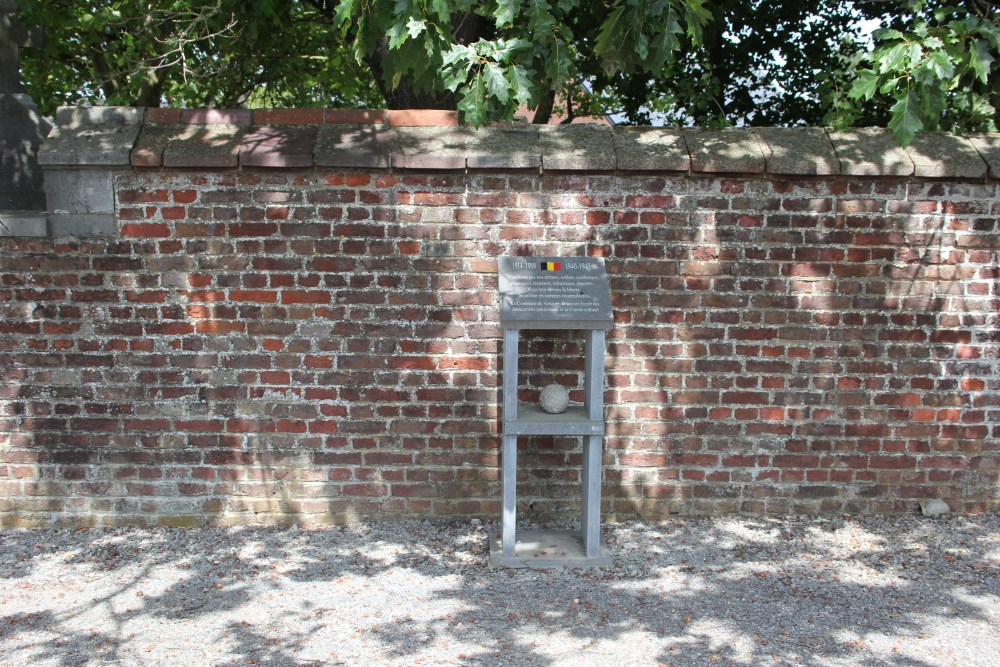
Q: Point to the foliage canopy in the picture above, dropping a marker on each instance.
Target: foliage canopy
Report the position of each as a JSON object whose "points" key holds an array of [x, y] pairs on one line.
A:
{"points": [[931, 65]]}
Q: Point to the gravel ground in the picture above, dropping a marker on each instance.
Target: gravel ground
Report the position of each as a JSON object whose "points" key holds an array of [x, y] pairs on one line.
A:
{"points": [[731, 591]]}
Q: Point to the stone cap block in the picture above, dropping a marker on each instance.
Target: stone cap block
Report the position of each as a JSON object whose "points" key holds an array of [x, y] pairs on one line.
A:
{"points": [[945, 155], [651, 149], [798, 151], [152, 141], [431, 139], [289, 116], [162, 116], [514, 146], [87, 117], [429, 147], [357, 146], [584, 147], [422, 118], [725, 152], [870, 151], [237, 117], [988, 147], [280, 146], [356, 117], [96, 136], [204, 146]]}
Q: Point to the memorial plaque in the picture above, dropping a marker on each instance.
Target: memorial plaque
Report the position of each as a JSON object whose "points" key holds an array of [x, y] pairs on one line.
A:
{"points": [[554, 293]]}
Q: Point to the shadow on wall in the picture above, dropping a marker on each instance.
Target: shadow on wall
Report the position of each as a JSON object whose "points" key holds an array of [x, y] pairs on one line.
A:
{"points": [[725, 592]]}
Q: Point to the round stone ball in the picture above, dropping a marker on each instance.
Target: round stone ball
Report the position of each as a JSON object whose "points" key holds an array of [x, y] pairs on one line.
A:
{"points": [[554, 399]]}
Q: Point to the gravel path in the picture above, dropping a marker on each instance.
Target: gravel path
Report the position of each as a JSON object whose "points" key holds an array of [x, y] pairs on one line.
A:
{"points": [[730, 591]]}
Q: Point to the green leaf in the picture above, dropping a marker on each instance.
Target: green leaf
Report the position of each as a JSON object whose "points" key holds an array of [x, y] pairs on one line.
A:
{"points": [[540, 19], [889, 85], [521, 84], [472, 104], [905, 121], [892, 59], [980, 59], [415, 27], [344, 12], [697, 16], [670, 38], [458, 63], [506, 10], [941, 65], [441, 9], [496, 82], [610, 33], [864, 85], [886, 34], [397, 35]]}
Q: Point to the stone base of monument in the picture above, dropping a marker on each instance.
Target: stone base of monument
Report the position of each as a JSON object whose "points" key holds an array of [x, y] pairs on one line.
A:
{"points": [[24, 223], [544, 549]]}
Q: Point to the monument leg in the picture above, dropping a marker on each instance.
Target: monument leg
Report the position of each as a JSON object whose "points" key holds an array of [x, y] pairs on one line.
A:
{"points": [[590, 523], [509, 519]]}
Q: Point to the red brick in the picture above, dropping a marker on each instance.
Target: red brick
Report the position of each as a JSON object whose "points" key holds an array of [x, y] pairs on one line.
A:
{"points": [[304, 296], [248, 229], [258, 296], [149, 230]]}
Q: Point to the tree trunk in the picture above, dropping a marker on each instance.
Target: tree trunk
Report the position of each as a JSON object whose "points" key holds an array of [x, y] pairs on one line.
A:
{"points": [[403, 96], [544, 111]]}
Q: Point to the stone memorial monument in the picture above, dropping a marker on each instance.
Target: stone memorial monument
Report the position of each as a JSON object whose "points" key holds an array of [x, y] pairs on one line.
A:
{"points": [[22, 130], [553, 293]]}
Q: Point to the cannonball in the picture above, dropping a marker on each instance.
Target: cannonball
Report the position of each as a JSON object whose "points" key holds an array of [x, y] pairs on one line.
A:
{"points": [[554, 399]]}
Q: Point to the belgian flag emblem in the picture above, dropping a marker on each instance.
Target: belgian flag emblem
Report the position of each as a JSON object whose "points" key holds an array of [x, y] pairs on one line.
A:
{"points": [[550, 266]]}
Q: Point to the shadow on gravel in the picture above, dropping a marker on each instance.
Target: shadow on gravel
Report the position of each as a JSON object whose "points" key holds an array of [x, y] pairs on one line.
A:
{"points": [[882, 591]]}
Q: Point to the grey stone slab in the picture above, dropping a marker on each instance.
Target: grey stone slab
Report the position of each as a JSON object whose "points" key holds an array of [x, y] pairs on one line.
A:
{"points": [[988, 147], [23, 223], [504, 147], [554, 293], [22, 132], [83, 224], [152, 141], [532, 420], [92, 136], [583, 147], [278, 146], [935, 507], [945, 155], [798, 151], [81, 117], [725, 151], [870, 151], [545, 549], [204, 146], [651, 149], [75, 191], [429, 147], [359, 146]]}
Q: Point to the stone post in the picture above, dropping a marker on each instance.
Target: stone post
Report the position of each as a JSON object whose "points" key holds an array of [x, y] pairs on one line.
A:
{"points": [[22, 130], [80, 159]]}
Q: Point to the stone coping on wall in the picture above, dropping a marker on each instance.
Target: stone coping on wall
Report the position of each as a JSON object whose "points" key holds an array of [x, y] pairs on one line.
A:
{"points": [[124, 137]]}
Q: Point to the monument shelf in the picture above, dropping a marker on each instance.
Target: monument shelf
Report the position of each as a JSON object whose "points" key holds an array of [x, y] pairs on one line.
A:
{"points": [[555, 293]]}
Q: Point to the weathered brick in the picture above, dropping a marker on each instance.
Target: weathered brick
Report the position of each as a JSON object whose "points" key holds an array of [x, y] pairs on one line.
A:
{"points": [[838, 330]]}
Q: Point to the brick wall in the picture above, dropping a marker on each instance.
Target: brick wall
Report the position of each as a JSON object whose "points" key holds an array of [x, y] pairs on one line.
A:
{"points": [[322, 345]]}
